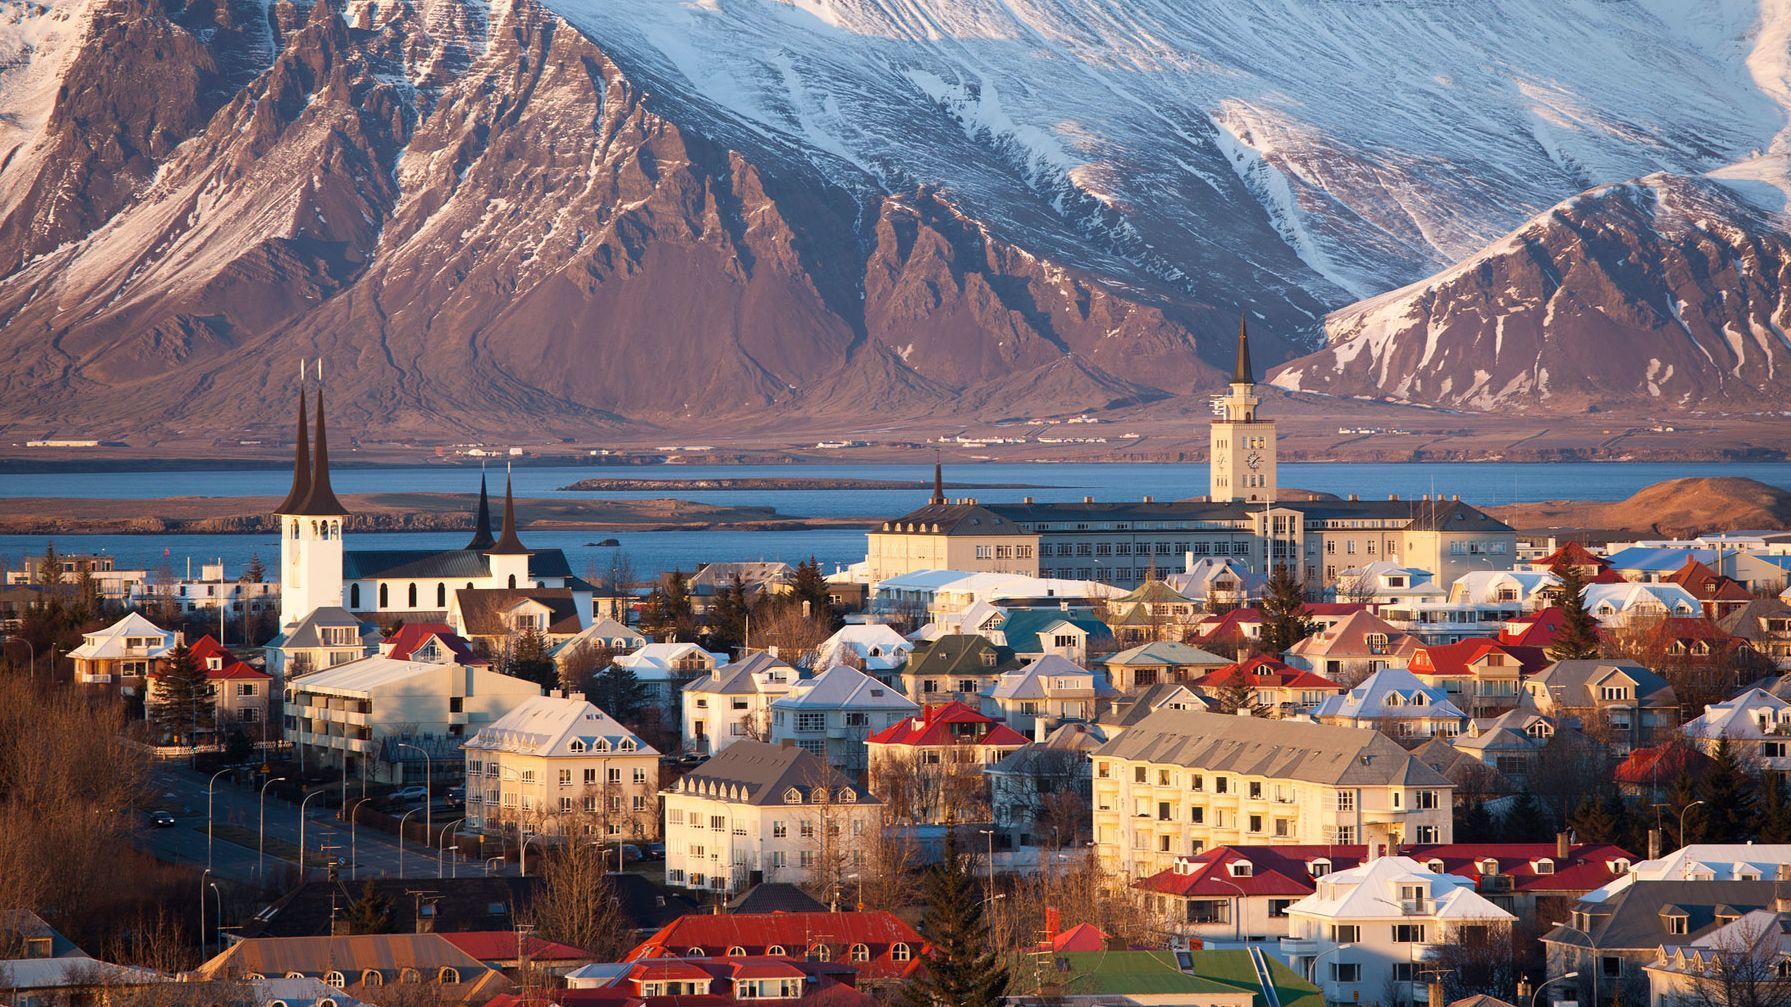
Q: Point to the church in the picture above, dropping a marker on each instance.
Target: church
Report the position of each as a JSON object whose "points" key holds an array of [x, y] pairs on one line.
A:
{"points": [[333, 599], [1242, 517]]}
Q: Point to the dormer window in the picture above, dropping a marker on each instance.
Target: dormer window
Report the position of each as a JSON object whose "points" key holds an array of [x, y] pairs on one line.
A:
{"points": [[818, 795], [1676, 920], [1242, 869], [1319, 868], [1618, 867], [1434, 866], [1543, 866], [577, 747], [627, 745], [792, 796]]}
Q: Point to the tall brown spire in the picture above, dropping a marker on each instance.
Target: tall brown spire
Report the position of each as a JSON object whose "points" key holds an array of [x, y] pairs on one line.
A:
{"points": [[482, 520], [320, 499], [301, 459], [1245, 374], [938, 482], [508, 544]]}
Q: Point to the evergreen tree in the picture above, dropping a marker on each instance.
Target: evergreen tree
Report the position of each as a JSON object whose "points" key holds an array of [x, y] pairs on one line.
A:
{"points": [[1238, 694], [1728, 794], [1284, 621], [1524, 821], [1591, 822], [182, 700], [1578, 636], [1775, 811], [728, 615], [1474, 824], [529, 660], [255, 572], [962, 968], [667, 614], [616, 691], [1681, 794], [369, 912], [49, 574], [810, 585]]}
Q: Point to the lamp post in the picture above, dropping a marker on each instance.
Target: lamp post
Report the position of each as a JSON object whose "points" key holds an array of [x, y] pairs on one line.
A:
{"points": [[402, 819], [522, 858], [261, 833], [33, 650], [1591, 950], [428, 786], [1682, 812], [302, 804], [1537, 997], [454, 865], [1237, 908], [354, 858], [444, 846], [1312, 966], [219, 923], [208, 794], [204, 879]]}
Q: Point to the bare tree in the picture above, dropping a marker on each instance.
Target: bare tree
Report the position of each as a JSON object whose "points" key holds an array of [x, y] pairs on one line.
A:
{"points": [[577, 905], [930, 786], [1744, 969], [797, 637], [1478, 959], [579, 666]]}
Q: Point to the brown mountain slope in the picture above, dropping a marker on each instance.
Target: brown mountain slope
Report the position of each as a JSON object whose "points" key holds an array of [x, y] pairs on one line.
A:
{"points": [[1675, 507]]}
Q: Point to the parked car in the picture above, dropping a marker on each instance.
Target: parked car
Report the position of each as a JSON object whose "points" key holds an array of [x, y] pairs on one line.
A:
{"points": [[161, 819], [653, 851], [410, 794], [456, 796]]}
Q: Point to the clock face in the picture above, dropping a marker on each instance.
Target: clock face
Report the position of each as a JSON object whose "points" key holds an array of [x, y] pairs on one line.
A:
{"points": [[1254, 460]]}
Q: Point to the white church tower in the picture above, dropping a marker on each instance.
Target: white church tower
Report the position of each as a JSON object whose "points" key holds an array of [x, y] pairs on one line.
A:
{"points": [[1242, 461], [508, 557], [310, 527]]}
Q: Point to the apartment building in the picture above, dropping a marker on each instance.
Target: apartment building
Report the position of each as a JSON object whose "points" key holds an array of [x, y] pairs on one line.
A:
{"points": [[1181, 781], [734, 703], [559, 766], [832, 715]]}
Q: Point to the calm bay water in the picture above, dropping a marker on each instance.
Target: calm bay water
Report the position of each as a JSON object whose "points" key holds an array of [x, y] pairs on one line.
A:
{"points": [[651, 552]]}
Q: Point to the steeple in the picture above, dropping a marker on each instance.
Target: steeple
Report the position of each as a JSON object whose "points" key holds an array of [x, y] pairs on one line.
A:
{"points": [[1244, 374], [301, 458], [508, 544], [482, 520], [320, 499], [938, 483]]}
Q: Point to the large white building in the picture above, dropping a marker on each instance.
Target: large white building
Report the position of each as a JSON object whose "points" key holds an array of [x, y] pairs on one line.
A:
{"points": [[760, 812], [559, 766], [733, 703], [832, 714]]}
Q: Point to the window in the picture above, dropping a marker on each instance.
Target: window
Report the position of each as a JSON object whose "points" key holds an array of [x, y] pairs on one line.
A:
{"points": [[1408, 933], [820, 953], [811, 721], [1346, 972], [373, 977], [861, 953], [1346, 800], [1346, 933], [899, 952], [565, 777], [577, 747], [449, 976], [776, 951], [736, 952], [335, 979], [1278, 907]]}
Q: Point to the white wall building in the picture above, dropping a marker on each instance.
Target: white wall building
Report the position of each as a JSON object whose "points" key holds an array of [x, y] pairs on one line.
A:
{"points": [[559, 766], [733, 703], [833, 713]]}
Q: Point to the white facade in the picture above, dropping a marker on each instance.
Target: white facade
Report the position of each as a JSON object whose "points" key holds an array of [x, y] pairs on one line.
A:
{"points": [[734, 703], [559, 766], [665, 668], [1757, 724], [833, 713], [1243, 463]]}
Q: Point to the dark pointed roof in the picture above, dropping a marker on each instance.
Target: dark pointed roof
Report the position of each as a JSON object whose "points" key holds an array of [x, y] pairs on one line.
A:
{"points": [[320, 499], [508, 544], [482, 521], [301, 464], [1245, 374], [938, 484]]}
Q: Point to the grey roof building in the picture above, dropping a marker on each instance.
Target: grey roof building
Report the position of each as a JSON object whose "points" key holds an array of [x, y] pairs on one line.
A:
{"points": [[758, 773]]}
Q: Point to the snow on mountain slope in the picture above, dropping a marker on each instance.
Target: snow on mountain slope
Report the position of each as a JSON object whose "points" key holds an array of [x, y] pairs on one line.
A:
{"points": [[1199, 142]]}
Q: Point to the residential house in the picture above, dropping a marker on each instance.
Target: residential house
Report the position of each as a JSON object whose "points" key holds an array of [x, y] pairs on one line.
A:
{"points": [[1648, 771], [1619, 699], [191, 596], [348, 716], [1528, 589], [1238, 629], [1720, 596], [1508, 744], [1182, 781], [603, 636], [878, 650], [832, 714], [878, 944], [365, 965], [733, 703], [1126, 712], [122, 654], [1572, 554], [1048, 691], [1138, 668], [1618, 605], [760, 578], [1384, 582], [560, 767], [1538, 629], [324, 638], [1216, 584], [714, 982], [1374, 926], [1749, 953], [1281, 689], [1036, 632], [1655, 563], [1395, 703], [1150, 612], [435, 642], [1482, 676], [512, 953], [1023, 784], [239, 693], [495, 618], [1765, 624], [43, 968], [664, 669], [1346, 653], [955, 666], [928, 769], [1756, 724], [757, 812]]}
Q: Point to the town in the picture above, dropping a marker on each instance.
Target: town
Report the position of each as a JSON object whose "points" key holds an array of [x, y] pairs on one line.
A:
{"points": [[1258, 747]]}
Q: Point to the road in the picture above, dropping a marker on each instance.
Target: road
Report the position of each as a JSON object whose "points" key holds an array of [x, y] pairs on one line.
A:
{"points": [[182, 792]]}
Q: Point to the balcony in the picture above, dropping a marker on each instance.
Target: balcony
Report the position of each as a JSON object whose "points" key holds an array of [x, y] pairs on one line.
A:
{"points": [[1302, 947]]}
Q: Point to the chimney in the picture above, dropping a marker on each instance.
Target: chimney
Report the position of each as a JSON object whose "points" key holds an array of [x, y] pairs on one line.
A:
{"points": [[1026, 500], [1392, 496], [1436, 991], [1653, 844], [1563, 849], [1038, 729]]}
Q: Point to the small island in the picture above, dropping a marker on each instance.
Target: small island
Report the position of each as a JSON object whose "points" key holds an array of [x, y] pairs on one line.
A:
{"points": [[623, 485]]}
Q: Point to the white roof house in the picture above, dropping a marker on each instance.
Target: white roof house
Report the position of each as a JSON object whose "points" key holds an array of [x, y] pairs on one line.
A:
{"points": [[1393, 700], [1618, 603], [1393, 889], [1385, 581], [131, 636], [1704, 862], [606, 633], [833, 713], [944, 592], [1751, 716], [1493, 587], [1049, 677], [843, 688], [557, 726], [876, 647], [1217, 580], [657, 661]]}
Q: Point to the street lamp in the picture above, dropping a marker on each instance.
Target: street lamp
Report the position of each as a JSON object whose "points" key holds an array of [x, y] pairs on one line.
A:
{"points": [[302, 804], [208, 793], [261, 832], [402, 819], [33, 649], [428, 786], [1591, 951], [1536, 999], [1237, 908], [1682, 812], [213, 885], [1312, 966], [204, 879], [522, 858], [354, 858], [449, 831]]}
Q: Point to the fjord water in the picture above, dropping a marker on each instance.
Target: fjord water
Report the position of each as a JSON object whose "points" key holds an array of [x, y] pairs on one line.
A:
{"points": [[652, 552]]}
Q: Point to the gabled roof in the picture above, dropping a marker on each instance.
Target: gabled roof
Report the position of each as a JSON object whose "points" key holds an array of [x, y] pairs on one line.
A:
{"points": [[774, 897], [308, 633], [508, 945], [230, 667], [1391, 694], [1362, 893], [714, 934], [1052, 676], [1273, 749], [951, 724], [1163, 653], [1573, 554], [1740, 717], [1262, 672], [1126, 712], [840, 687], [658, 658], [952, 519], [1153, 592], [1462, 658], [959, 654], [1350, 637], [1573, 682], [1658, 765], [354, 954], [878, 646], [753, 772], [553, 726], [1631, 917], [1706, 584], [482, 610], [1653, 559], [413, 635], [109, 642], [1022, 627], [1538, 629], [744, 677]]}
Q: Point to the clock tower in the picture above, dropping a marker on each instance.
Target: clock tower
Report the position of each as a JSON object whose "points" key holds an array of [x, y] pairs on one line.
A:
{"points": [[1242, 461]]}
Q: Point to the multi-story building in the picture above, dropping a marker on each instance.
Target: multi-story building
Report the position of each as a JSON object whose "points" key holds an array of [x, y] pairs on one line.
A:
{"points": [[930, 769], [558, 766], [122, 654], [758, 812], [1376, 925], [1241, 518], [1138, 668], [666, 668], [1362, 644], [1482, 676], [734, 703], [344, 717], [1181, 781], [323, 638], [1756, 723], [1281, 690], [832, 714], [1049, 691], [955, 666], [239, 692], [210, 591], [1621, 700], [1393, 702]]}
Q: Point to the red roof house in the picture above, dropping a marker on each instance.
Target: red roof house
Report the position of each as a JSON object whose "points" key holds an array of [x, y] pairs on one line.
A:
{"points": [[1575, 555], [434, 642], [954, 723], [503, 949], [878, 944]]}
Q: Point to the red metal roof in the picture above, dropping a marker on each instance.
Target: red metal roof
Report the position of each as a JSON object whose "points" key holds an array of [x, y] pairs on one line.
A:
{"points": [[754, 933], [1537, 629], [501, 945], [1263, 670], [1282, 871], [1459, 658], [1657, 765], [1573, 554], [205, 649], [411, 636], [1081, 937], [951, 724]]}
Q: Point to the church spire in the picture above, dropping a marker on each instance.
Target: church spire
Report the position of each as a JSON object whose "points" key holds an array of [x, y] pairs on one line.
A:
{"points": [[938, 482], [482, 520], [1245, 374], [320, 499], [301, 458], [508, 544]]}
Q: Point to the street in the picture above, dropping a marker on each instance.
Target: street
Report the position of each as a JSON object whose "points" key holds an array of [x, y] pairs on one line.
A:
{"points": [[182, 792]]}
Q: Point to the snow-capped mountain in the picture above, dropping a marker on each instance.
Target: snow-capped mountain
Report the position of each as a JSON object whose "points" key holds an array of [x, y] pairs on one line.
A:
{"points": [[578, 212]]}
